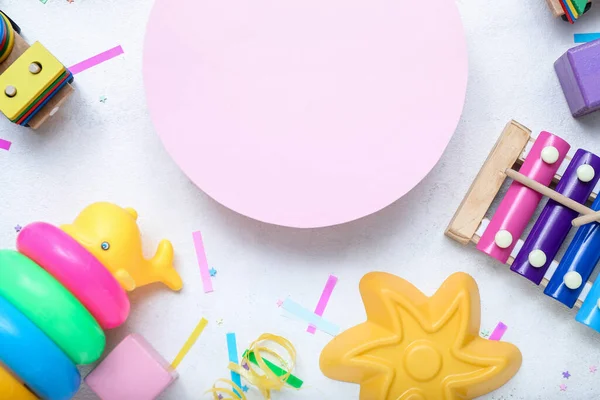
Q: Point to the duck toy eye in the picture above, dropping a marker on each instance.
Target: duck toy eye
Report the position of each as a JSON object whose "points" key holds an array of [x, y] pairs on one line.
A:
{"points": [[105, 246]]}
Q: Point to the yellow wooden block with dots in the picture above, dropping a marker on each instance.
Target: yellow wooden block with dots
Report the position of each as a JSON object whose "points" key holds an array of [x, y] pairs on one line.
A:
{"points": [[28, 85]]}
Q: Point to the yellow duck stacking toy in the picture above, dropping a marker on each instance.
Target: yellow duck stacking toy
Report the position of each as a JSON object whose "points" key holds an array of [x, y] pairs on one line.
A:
{"points": [[61, 288], [112, 235]]}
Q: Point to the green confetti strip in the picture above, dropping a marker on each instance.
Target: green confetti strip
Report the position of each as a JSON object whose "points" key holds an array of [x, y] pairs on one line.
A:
{"points": [[291, 380]]}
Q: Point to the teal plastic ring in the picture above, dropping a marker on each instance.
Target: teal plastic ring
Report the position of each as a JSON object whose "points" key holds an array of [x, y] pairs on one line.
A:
{"points": [[34, 358]]}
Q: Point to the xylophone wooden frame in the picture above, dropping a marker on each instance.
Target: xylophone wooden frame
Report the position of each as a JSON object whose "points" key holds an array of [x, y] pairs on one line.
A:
{"points": [[506, 154], [54, 103]]}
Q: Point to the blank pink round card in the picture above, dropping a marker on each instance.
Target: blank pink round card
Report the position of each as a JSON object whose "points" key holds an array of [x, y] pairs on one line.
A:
{"points": [[305, 113]]}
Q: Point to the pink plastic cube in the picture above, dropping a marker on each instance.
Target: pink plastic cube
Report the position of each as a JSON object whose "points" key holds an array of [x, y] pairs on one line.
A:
{"points": [[132, 371]]}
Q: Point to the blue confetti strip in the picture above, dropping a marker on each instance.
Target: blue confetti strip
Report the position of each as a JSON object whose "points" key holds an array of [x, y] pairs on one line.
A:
{"points": [[586, 37], [233, 357], [310, 317]]}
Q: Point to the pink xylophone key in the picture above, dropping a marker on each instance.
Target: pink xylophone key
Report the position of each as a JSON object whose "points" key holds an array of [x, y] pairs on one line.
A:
{"points": [[519, 203]]}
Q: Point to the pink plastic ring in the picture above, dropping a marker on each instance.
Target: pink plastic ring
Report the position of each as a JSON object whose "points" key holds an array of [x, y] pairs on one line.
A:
{"points": [[78, 270]]}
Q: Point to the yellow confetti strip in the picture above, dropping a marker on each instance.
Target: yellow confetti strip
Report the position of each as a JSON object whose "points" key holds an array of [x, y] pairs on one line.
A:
{"points": [[259, 376], [189, 343]]}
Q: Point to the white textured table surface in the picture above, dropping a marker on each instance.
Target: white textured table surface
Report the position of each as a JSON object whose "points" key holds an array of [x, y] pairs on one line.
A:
{"points": [[109, 151]]}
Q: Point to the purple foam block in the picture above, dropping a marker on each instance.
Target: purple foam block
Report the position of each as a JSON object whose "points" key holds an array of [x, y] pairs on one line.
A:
{"points": [[553, 225], [578, 71]]}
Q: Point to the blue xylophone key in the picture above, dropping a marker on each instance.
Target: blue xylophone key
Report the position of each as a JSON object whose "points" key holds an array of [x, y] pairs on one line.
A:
{"points": [[577, 265], [589, 314]]}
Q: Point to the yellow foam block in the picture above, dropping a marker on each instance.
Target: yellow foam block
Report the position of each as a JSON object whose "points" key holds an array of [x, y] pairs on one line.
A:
{"points": [[417, 347], [29, 86], [572, 8], [12, 389]]}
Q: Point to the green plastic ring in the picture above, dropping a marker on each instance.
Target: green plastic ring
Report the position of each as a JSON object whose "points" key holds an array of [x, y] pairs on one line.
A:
{"points": [[51, 307]]}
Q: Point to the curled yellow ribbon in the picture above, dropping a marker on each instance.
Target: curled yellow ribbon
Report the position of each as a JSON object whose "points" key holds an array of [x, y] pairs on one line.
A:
{"points": [[218, 392], [261, 376]]}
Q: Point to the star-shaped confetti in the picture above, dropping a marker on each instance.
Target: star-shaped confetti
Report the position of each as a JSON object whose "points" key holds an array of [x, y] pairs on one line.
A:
{"points": [[220, 396], [566, 374], [485, 333], [103, 99], [246, 366], [220, 321], [563, 387], [279, 303], [212, 272], [593, 369], [18, 228], [245, 388]]}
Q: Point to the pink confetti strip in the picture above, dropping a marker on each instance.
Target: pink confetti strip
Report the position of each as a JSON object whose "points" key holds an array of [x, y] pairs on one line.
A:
{"points": [[5, 144], [97, 59], [202, 262], [498, 331], [320, 309]]}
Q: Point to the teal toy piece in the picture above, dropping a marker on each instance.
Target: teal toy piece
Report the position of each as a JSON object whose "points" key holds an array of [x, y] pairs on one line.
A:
{"points": [[28, 352]]}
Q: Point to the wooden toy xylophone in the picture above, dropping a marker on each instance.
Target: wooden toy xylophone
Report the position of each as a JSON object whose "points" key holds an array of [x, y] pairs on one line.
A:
{"points": [[569, 10], [537, 170], [34, 83]]}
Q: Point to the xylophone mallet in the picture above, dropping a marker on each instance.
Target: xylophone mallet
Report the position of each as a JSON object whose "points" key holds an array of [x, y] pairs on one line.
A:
{"points": [[554, 223], [586, 219]]}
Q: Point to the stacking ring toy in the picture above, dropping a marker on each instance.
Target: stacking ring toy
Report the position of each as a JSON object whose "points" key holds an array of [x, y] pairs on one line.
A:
{"points": [[78, 270], [61, 288], [29, 353], [51, 307], [8, 37], [12, 388]]}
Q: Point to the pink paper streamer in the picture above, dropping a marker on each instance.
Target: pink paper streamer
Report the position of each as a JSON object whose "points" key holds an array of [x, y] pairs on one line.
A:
{"points": [[320, 309], [97, 59], [5, 144], [202, 262], [498, 331]]}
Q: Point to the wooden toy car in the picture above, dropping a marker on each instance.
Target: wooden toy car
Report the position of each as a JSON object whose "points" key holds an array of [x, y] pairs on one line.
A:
{"points": [[33, 83]]}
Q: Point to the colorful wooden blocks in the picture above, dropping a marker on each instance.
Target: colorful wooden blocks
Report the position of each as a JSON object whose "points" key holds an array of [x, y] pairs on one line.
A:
{"points": [[569, 10], [30, 82], [133, 370], [578, 71], [33, 83]]}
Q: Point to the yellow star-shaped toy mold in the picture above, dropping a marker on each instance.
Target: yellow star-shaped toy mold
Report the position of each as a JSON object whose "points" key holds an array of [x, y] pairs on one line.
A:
{"points": [[414, 347]]}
